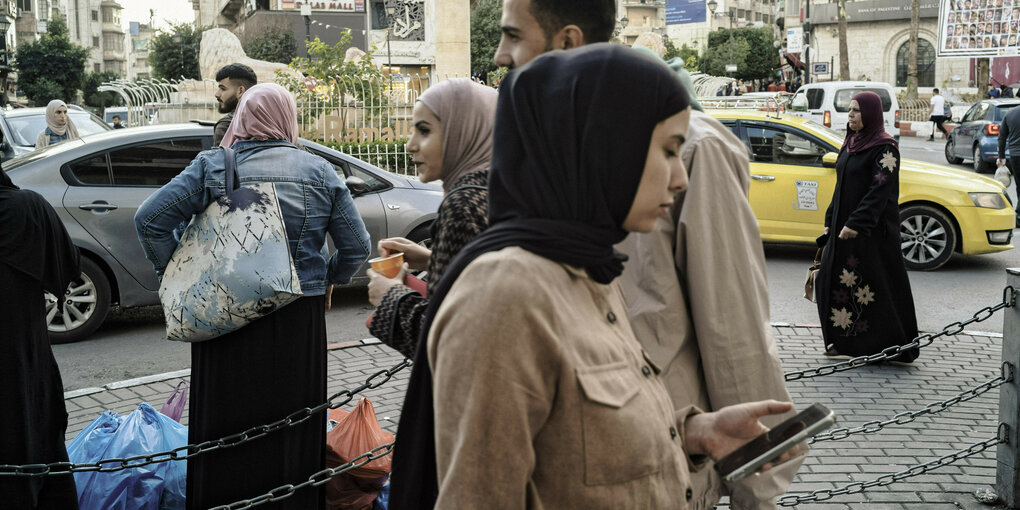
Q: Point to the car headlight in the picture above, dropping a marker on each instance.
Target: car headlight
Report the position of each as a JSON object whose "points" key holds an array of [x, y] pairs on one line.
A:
{"points": [[988, 200]]}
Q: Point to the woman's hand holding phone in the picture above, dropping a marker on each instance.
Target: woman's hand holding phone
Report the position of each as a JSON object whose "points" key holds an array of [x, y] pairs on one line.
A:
{"points": [[719, 433]]}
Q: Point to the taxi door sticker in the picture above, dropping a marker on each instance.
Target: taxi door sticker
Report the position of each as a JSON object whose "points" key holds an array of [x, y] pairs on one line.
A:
{"points": [[807, 195]]}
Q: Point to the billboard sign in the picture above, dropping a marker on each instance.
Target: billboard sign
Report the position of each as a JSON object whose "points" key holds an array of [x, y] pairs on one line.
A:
{"points": [[794, 40], [681, 12], [325, 5], [978, 28]]}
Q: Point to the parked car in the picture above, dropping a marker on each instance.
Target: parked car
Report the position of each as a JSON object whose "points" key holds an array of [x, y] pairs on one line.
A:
{"points": [[97, 183], [942, 210], [120, 111], [828, 103], [977, 136], [21, 126]]}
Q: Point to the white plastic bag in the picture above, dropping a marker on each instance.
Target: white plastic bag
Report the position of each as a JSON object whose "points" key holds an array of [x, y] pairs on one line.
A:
{"points": [[1002, 175]]}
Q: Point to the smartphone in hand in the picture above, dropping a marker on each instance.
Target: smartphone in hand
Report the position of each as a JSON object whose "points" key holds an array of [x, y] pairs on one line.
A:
{"points": [[766, 447]]}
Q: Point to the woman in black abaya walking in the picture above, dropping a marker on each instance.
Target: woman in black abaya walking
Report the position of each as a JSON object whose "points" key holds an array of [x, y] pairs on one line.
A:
{"points": [[863, 293]]}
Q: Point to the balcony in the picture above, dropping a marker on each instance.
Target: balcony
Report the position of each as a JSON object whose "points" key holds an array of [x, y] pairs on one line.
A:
{"points": [[114, 55]]}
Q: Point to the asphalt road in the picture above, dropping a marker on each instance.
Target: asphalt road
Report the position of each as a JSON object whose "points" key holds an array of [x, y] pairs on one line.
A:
{"points": [[131, 343]]}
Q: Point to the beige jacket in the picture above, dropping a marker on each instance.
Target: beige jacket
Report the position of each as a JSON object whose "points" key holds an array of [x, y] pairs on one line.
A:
{"points": [[710, 332], [544, 398]]}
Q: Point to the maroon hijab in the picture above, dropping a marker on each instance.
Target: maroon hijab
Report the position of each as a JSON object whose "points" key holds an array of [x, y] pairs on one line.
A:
{"points": [[873, 133]]}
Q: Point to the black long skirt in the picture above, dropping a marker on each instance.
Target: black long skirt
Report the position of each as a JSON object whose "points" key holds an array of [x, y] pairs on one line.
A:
{"points": [[254, 376]]}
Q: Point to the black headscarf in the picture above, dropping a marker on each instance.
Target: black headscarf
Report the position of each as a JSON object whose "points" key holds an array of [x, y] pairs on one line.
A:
{"points": [[34, 240], [570, 142], [873, 133]]}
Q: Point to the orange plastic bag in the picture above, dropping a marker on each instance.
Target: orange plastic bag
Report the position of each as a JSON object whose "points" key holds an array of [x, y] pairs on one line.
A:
{"points": [[356, 432]]}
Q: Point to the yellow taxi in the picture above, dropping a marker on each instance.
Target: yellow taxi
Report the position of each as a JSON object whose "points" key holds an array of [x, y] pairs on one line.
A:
{"points": [[942, 210]]}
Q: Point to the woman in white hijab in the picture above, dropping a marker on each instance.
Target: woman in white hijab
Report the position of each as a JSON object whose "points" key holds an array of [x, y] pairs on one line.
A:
{"points": [[58, 125]]}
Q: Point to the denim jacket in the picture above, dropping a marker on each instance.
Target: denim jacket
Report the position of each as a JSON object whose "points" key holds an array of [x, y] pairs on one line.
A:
{"points": [[313, 199]]}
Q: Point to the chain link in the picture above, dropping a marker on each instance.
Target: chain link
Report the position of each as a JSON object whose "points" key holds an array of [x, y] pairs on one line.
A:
{"points": [[924, 340], [317, 479], [1006, 375], [890, 478], [191, 450]]}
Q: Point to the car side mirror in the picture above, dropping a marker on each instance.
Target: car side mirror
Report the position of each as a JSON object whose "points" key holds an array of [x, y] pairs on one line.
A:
{"points": [[829, 159], [357, 185]]}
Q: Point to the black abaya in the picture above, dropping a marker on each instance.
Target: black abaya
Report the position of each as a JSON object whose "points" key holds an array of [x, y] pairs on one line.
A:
{"points": [[36, 255], [255, 376], [863, 293]]}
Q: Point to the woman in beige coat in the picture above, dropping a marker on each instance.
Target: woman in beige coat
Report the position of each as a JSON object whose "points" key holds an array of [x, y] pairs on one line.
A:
{"points": [[59, 126], [532, 391]]}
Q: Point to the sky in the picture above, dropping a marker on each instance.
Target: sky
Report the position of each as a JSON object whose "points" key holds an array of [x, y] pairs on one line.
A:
{"points": [[166, 10]]}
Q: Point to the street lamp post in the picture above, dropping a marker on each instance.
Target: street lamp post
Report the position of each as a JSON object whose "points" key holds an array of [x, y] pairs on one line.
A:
{"points": [[620, 25], [390, 10], [713, 5], [5, 64], [306, 11]]}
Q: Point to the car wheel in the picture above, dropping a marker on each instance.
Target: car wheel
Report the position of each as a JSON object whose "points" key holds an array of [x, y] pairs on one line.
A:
{"points": [[927, 237], [82, 308], [980, 166], [951, 153], [422, 235]]}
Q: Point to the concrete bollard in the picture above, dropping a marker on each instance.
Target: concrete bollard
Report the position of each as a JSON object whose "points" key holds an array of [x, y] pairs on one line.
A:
{"points": [[1007, 469]]}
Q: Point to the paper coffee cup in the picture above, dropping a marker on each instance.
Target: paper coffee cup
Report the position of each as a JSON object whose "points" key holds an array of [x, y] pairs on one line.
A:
{"points": [[388, 266]]}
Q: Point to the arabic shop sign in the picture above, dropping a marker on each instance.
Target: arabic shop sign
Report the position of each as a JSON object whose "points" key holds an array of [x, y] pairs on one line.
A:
{"points": [[873, 10], [408, 19], [325, 5]]}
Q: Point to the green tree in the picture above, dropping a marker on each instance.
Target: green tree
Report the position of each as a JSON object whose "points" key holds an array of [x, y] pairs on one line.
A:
{"points": [[334, 77], [485, 34], [51, 67], [90, 86], [272, 44], [689, 56], [757, 60], [173, 53]]}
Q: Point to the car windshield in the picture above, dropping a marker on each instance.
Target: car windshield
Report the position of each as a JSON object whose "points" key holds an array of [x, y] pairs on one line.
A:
{"points": [[843, 97], [49, 150], [25, 128]]}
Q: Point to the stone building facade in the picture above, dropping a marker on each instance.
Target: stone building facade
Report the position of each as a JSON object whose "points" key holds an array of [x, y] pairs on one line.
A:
{"points": [[140, 34]]}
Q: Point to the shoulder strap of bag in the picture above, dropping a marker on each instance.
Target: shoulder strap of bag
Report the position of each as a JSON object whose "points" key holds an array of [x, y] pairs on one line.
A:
{"points": [[230, 171]]}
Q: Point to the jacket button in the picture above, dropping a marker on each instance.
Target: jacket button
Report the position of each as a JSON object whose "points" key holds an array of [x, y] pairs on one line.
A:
{"points": [[689, 494], [611, 317], [672, 432], [647, 371]]}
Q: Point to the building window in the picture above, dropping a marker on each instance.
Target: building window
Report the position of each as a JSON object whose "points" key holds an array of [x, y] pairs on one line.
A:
{"points": [[95, 15], [95, 41], [378, 12], [107, 15], [925, 64], [25, 5], [97, 68]]}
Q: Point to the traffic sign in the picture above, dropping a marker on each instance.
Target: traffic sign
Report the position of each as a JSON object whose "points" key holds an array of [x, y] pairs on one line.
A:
{"points": [[820, 67], [731, 68]]}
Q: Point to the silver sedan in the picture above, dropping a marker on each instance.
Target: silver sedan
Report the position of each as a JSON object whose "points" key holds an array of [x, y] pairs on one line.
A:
{"points": [[97, 183]]}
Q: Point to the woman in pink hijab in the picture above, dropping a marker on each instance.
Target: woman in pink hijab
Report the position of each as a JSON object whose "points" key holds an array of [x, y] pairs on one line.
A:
{"points": [[452, 142], [277, 364]]}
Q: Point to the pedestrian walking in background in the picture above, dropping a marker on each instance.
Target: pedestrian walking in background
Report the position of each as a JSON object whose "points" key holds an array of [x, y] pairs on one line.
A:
{"points": [[697, 300], [993, 93], [59, 126], [863, 293], [232, 80], [1005, 91], [36, 255], [1009, 136], [527, 331], [277, 364], [937, 113], [116, 122], [452, 141]]}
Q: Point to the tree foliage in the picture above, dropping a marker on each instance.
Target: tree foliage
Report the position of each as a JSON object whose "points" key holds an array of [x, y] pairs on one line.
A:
{"points": [[334, 77], [757, 58], [90, 86], [485, 34], [689, 56], [172, 59], [51, 67], [272, 44]]}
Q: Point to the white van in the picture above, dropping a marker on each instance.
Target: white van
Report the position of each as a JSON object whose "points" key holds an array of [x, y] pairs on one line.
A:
{"points": [[828, 103]]}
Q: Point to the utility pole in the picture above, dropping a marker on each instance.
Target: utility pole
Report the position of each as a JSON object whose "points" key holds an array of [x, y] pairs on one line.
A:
{"points": [[306, 11], [807, 42]]}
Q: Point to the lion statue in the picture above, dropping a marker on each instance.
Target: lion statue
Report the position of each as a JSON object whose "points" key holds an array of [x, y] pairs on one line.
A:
{"points": [[221, 47]]}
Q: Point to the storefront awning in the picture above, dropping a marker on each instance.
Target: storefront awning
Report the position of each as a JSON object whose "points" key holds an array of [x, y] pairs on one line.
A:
{"points": [[794, 60]]}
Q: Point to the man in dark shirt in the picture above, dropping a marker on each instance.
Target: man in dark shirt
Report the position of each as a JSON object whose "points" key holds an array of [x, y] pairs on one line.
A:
{"points": [[1009, 133], [116, 122], [232, 81]]}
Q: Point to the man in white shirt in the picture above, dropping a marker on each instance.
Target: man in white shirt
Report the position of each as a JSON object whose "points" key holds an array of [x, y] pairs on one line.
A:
{"points": [[938, 106]]}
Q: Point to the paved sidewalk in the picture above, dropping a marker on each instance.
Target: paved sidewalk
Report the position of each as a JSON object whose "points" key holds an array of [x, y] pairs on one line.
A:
{"points": [[945, 368]]}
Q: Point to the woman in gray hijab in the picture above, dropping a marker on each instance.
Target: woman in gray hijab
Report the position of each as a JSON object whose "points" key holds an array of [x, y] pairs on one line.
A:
{"points": [[58, 125], [452, 142]]}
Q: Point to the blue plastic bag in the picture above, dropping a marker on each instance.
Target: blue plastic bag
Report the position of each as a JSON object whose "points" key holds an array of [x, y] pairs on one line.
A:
{"points": [[382, 501], [158, 486]]}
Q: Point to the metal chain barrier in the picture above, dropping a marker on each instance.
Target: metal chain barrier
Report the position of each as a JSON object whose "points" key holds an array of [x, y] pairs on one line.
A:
{"points": [[1008, 300], [319, 478], [890, 478], [932, 408], [191, 450]]}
